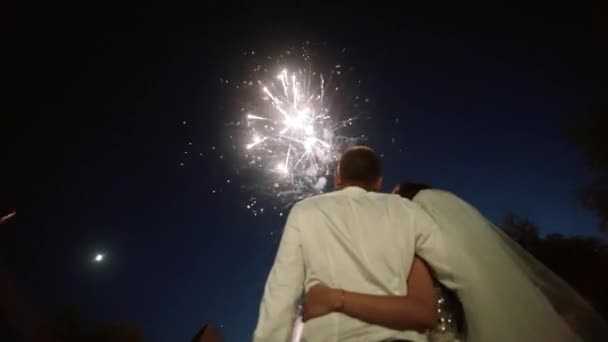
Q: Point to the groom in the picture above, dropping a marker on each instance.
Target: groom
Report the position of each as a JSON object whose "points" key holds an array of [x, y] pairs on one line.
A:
{"points": [[354, 238]]}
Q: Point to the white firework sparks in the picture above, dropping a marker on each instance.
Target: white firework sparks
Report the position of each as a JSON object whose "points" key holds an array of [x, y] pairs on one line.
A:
{"points": [[292, 136]]}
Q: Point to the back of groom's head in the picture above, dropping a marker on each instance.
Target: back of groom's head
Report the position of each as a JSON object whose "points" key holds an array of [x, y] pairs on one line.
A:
{"points": [[360, 166]]}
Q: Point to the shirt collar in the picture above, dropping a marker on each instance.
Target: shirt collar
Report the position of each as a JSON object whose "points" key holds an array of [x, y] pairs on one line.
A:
{"points": [[353, 189]]}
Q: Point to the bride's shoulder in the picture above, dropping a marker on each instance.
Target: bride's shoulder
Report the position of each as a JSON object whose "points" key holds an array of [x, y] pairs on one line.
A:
{"points": [[433, 195], [440, 202], [399, 202], [432, 199]]}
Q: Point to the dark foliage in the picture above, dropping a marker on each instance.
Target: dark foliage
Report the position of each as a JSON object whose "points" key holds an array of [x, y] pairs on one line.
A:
{"points": [[580, 260], [589, 132]]}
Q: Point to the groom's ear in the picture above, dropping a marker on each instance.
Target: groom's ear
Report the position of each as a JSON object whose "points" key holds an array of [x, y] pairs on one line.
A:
{"points": [[337, 180], [378, 185]]}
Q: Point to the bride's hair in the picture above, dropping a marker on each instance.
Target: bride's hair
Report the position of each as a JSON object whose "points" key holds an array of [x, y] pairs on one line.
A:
{"points": [[410, 189]]}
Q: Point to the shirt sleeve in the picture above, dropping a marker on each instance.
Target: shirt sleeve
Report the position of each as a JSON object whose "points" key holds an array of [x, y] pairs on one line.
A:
{"points": [[284, 285], [431, 246]]}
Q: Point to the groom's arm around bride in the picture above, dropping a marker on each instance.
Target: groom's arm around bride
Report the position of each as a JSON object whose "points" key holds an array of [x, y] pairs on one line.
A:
{"points": [[356, 239]]}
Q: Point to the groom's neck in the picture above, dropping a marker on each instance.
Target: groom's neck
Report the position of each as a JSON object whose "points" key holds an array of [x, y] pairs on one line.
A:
{"points": [[359, 185]]}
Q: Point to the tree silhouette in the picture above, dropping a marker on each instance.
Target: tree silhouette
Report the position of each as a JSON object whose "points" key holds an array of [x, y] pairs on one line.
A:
{"points": [[522, 230], [589, 132], [579, 260]]}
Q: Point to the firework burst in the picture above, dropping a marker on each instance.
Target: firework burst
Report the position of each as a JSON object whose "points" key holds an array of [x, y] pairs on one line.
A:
{"points": [[292, 134]]}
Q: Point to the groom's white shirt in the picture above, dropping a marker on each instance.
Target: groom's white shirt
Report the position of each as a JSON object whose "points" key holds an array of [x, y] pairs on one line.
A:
{"points": [[352, 239]]}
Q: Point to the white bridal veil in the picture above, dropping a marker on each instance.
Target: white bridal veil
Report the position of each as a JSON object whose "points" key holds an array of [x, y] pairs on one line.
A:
{"points": [[507, 294]]}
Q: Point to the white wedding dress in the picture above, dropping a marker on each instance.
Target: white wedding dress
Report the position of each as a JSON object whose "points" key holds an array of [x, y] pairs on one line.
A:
{"points": [[507, 295]]}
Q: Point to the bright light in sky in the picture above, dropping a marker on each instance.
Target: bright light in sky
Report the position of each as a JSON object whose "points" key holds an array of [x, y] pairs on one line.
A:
{"points": [[295, 126], [99, 257], [293, 131]]}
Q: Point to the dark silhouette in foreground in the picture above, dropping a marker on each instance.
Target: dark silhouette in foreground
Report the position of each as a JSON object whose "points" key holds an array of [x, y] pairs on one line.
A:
{"points": [[208, 333], [578, 259], [70, 326]]}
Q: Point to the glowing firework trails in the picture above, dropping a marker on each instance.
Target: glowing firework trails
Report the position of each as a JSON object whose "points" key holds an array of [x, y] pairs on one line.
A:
{"points": [[292, 136]]}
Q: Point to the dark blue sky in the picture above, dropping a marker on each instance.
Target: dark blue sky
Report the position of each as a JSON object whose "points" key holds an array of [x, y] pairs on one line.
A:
{"points": [[482, 97]]}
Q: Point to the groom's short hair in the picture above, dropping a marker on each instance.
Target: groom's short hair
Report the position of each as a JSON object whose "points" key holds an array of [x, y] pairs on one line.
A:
{"points": [[360, 164]]}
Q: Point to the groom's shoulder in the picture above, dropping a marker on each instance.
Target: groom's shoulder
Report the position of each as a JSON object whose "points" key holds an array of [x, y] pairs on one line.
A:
{"points": [[315, 200], [334, 196], [322, 200]]}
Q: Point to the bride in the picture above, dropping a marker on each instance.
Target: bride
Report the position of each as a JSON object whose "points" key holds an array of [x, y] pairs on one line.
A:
{"points": [[506, 294]]}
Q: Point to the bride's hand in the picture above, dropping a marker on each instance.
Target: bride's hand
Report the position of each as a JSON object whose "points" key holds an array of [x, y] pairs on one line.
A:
{"points": [[319, 301]]}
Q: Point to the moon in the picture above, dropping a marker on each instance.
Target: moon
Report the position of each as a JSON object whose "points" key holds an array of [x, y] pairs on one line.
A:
{"points": [[99, 257]]}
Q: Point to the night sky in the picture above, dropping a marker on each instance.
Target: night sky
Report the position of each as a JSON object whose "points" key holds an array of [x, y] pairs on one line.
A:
{"points": [[475, 102]]}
